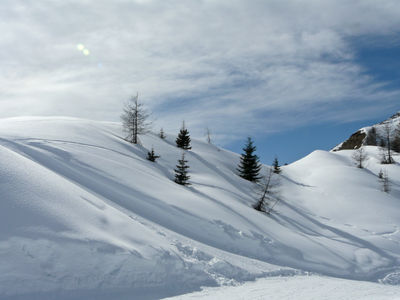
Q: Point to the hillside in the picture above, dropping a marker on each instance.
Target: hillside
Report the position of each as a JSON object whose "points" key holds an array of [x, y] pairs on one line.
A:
{"points": [[85, 215], [358, 138], [298, 287]]}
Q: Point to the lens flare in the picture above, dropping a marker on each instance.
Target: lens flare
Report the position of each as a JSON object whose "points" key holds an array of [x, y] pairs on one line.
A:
{"points": [[85, 51]]}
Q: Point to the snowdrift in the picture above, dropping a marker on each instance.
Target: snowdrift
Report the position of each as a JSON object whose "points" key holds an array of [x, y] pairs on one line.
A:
{"points": [[85, 215]]}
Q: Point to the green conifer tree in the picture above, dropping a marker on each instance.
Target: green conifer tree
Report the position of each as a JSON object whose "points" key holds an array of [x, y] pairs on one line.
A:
{"points": [[396, 139], [277, 168], [181, 173], [371, 137], [162, 134], [183, 139], [249, 166], [151, 156], [396, 144]]}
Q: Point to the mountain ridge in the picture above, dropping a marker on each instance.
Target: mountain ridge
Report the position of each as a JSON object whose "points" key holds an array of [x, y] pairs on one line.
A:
{"points": [[358, 138]]}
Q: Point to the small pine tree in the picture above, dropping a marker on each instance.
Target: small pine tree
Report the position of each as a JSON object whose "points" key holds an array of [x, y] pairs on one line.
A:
{"points": [[162, 134], [277, 168], [151, 156], [249, 166], [181, 173], [183, 139], [371, 137], [396, 144]]}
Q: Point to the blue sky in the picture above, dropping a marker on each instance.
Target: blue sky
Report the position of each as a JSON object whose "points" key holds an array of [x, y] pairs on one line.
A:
{"points": [[380, 58], [295, 75], [294, 144]]}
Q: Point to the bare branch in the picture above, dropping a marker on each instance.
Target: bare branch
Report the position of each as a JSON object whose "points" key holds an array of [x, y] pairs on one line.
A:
{"points": [[360, 156], [267, 192], [135, 119]]}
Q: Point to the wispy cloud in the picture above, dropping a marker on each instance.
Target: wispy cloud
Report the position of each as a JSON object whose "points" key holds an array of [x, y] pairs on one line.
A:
{"points": [[231, 65]]}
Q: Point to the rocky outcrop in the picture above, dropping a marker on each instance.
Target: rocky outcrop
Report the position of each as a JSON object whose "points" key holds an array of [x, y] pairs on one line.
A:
{"points": [[353, 142], [357, 139]]}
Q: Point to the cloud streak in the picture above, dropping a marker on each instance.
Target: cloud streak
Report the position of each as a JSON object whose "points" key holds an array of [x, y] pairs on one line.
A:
{"points": [[235, 66]]}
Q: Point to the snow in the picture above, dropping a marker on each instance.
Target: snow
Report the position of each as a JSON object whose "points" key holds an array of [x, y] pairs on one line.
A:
{"points": [[299, 287], [85, 215]]}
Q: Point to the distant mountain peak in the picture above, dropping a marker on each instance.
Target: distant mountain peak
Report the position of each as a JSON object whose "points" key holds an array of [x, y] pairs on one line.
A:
{"points": [[357, 139], [392, 118]]}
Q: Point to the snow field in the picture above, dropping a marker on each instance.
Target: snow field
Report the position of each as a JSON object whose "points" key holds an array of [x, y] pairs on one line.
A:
{"points": [[84, 214]]}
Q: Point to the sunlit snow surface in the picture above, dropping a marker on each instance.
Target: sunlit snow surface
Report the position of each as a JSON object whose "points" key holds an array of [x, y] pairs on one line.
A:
{"points": [[85, 216], [299, 287]]}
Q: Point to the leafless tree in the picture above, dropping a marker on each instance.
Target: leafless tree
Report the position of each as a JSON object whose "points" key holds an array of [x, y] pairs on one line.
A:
{"points": [[208, 134], [135, 119], [360, 156], [267, 192], [388, 136], [385, 182]]}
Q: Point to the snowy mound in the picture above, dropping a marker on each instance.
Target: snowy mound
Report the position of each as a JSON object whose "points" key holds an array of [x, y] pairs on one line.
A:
{"points": [[85, 215]]}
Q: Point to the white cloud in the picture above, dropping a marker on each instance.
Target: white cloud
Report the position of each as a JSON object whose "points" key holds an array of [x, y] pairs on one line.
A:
{"points": [[231, 65]]}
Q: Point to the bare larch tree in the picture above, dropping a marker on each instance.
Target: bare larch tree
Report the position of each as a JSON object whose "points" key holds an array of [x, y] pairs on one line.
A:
{"points": [[208, 135], [360, 156], [267, 192], [384, 180], [388, 136], [134, 119]]}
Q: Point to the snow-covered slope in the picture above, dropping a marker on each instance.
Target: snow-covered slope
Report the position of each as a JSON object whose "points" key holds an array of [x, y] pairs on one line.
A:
{"points": [[85, 215], [299, 287]]}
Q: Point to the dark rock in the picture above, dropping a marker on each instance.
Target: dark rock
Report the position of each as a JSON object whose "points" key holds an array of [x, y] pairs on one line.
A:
{"points": [[355, 141]]}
